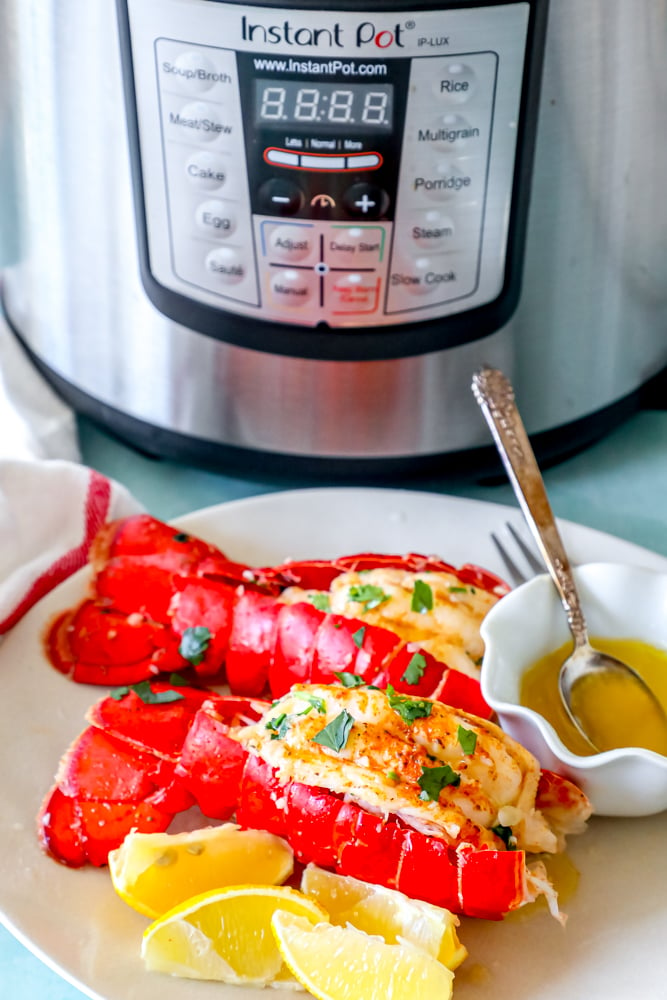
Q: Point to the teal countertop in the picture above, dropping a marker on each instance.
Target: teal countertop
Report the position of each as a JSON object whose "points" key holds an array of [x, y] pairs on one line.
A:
{"points": [[619, 486]]}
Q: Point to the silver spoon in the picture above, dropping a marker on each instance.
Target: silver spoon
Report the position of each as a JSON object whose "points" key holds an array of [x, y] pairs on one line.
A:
{"points": [[495, 395]]}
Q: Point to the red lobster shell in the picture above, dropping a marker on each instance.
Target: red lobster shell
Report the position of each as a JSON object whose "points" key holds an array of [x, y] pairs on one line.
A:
{"points": [[154, 587]]}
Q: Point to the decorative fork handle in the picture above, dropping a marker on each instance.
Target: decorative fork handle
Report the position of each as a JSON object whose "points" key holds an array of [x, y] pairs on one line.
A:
{"points": [[495, 395]]}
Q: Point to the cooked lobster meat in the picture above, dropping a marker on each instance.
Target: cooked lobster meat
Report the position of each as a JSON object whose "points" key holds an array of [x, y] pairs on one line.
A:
{"points": [[397, 790], [161, 601]]}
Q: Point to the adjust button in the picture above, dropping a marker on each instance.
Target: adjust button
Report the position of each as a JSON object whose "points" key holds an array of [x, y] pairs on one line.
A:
{"points": [[290, 242], [365, 201]]}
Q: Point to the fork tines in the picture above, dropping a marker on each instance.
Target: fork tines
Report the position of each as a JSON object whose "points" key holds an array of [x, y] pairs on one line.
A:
{"points": [[517, 574]]}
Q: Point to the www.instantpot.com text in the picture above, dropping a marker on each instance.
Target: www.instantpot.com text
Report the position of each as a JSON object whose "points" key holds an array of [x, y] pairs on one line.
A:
{"points": [[337, 66]]}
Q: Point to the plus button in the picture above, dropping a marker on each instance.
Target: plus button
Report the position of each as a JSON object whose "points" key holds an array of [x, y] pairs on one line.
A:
{"points": [[365, 200], [364, 204]]}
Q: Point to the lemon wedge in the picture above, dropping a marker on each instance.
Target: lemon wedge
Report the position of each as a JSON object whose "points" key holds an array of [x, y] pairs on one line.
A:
{"points": [[153, 872], [343, 963], [387, 913], [225, 935]]}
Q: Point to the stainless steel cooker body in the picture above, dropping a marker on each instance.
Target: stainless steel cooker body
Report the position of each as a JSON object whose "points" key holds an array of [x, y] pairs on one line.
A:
{"points": [[588, 329]]}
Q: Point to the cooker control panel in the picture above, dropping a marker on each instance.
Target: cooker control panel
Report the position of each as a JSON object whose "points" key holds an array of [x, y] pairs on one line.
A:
{"points": [[336, 168]]}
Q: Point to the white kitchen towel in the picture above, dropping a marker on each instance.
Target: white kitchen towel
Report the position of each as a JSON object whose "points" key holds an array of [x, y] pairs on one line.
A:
{"points": [[50, 512], [34, 421]]}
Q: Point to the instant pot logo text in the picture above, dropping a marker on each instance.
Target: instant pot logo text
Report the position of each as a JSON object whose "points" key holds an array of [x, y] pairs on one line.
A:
{"points": [[367, 35]]}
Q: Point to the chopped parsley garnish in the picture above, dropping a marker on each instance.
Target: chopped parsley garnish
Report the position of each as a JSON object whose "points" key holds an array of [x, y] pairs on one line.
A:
{"points": [[181, 536], [415, 669], [422, 598], [408, 708], [278, 727], [434, 779], [314, 701], [194, 643], [144, 691], [335, 734], [348, 679], [506, 835], [369, 595], [178, 680], [457, 590], [358, 637], [320, 600], [467, 739], [393, 776]]}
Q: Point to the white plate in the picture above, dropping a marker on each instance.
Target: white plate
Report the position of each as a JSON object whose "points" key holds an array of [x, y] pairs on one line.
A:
{"points": [[613, 944]]}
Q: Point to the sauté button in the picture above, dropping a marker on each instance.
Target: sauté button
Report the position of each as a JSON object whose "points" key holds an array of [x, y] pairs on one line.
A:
{"points": [[226, 264]]}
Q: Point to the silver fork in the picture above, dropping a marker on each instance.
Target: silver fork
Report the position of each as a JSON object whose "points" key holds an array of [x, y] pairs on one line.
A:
{"points": [[516, 573]]}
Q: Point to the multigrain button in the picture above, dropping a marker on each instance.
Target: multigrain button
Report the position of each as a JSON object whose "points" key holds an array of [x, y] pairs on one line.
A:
{"points": [[206, 170], [226, 264], [454, 82], [216, 218], [450, 132], [292, 288]]}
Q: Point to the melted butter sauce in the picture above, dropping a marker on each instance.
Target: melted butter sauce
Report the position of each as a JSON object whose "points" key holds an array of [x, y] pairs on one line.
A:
{"points": [[616, 712]]}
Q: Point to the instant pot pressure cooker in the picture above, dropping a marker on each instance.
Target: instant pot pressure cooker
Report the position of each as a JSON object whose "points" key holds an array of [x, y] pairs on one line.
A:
{"points": [[291, 233]]}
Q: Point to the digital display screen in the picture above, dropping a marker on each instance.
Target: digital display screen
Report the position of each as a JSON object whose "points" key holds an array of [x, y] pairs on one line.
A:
{"points": [[329, 105]]}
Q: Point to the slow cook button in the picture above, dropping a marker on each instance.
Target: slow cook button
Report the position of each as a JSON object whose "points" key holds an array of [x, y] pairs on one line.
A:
{"points": [[199, 122], [353, 292], [216, 219], [426, 276], [454, 82], [206, 170], [227, 265], [290, 243], [291, 288]]}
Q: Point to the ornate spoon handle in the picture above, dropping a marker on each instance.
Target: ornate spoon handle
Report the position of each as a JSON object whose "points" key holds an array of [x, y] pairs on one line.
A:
{"points": [[495, 395]]}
